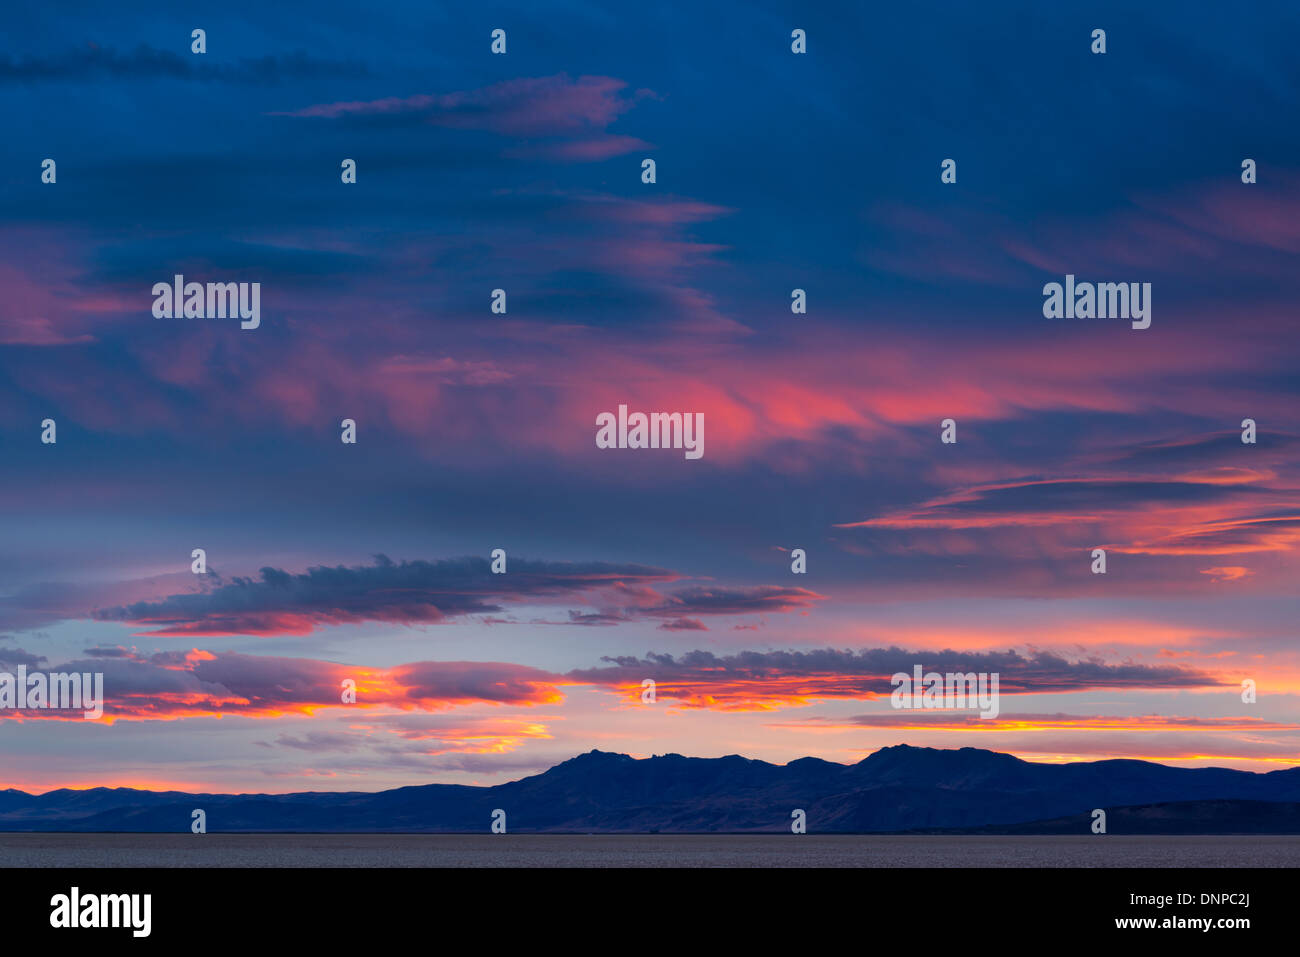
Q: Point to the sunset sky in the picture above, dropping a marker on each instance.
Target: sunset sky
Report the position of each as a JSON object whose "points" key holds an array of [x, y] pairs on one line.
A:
{"points": [[775, 171]]}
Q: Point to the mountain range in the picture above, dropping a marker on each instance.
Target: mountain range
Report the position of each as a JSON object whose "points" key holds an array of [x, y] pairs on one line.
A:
{"points": [[896, 789]]}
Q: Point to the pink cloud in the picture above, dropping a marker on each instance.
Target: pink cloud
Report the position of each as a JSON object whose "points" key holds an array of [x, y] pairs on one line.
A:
{"points": [[587, 150], [530, 106]]}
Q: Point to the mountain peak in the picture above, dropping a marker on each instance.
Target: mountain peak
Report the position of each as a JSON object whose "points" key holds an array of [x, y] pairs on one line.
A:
{"points": [[595, 758], [914, 753]]}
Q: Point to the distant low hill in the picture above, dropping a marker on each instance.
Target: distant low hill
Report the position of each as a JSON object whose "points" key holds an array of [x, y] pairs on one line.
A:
{"points": [[896, 789], [1174, 817]]}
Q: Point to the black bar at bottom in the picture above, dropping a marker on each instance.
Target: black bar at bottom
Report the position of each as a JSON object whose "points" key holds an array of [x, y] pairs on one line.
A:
{"points": [[531, 907]]}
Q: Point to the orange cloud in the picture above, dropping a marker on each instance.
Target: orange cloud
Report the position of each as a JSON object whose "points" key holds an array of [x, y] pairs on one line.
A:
{"points": [[1226, 573], [200, 684]]}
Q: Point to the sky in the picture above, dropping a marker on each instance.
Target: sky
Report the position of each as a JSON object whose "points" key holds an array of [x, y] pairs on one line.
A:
{"points": [[369, 562]]}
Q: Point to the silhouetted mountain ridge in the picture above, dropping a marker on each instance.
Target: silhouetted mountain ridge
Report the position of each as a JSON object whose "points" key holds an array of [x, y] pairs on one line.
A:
{"points": [[898, 788]]}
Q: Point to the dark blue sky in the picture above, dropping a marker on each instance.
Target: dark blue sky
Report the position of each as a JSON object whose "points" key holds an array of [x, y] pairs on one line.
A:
{"points": [[775, 171]]}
